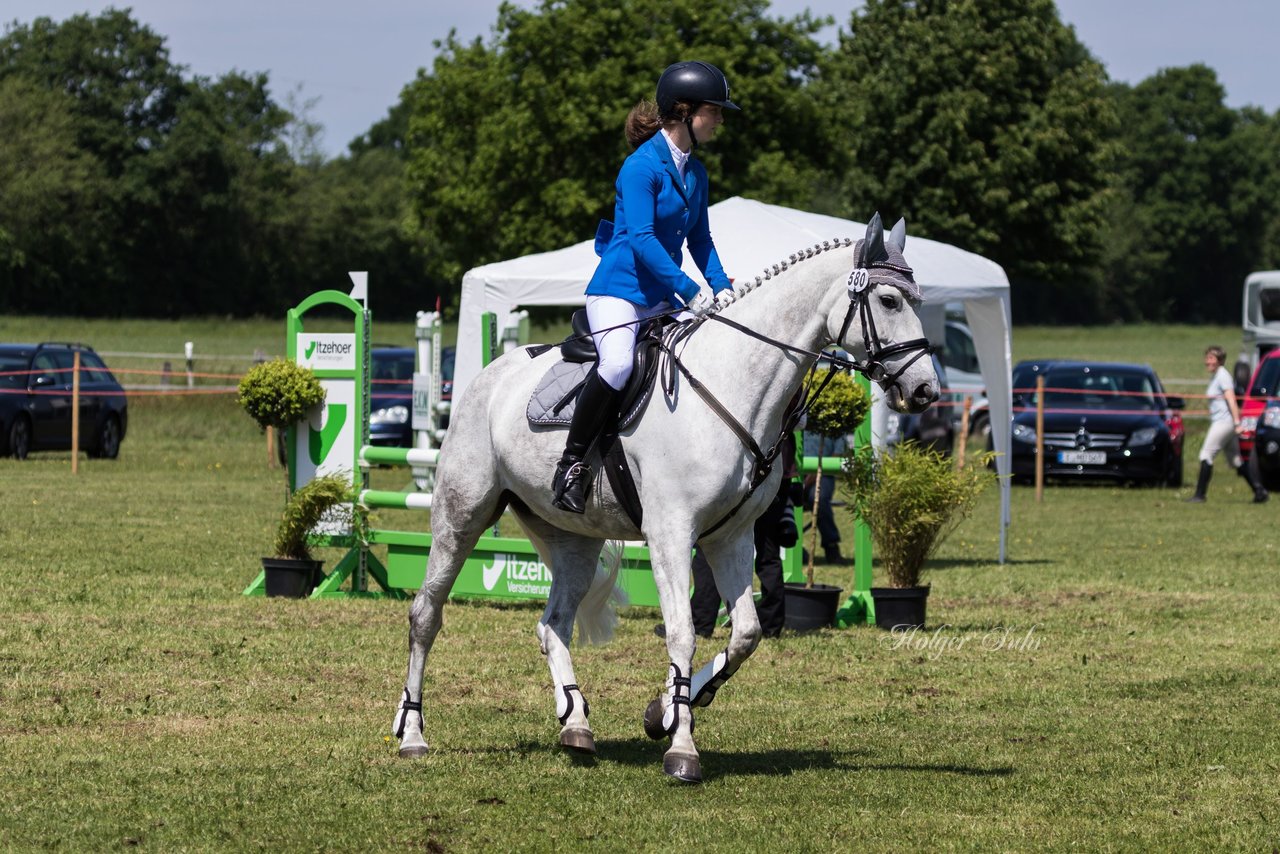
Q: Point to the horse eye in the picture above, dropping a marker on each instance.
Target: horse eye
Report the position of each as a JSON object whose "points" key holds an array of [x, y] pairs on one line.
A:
{"points": [[888, 301]]}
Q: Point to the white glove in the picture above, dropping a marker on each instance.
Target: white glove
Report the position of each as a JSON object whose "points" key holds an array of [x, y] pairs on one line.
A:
{"points": [[701, 305]]}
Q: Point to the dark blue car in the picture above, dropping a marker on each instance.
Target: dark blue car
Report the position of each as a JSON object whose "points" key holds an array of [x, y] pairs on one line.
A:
{"points": [[1102, 420], [35, 401], [391, 393], [1266, 444]]}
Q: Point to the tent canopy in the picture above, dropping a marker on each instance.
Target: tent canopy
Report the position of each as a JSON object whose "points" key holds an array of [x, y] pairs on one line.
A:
{"points": [[750, 236]]}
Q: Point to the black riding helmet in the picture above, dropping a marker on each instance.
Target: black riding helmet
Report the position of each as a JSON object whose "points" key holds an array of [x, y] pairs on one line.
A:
{"points": [[694, 81]]}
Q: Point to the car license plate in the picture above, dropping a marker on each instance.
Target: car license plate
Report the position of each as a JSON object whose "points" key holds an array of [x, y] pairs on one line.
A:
{"points": [[1082, 458]]}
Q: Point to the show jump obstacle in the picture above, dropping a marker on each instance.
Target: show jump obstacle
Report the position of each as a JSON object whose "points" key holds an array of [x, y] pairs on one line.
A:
{"points": [[336, 440]]}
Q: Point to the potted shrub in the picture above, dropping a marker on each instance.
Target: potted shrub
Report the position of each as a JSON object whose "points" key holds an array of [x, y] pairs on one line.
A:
{"points": [[840, 408], [292, 571], [279, 394], [911, 498]]}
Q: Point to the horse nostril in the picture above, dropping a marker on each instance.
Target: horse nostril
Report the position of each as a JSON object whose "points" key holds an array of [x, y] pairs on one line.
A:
{"points": [[926, 393]]}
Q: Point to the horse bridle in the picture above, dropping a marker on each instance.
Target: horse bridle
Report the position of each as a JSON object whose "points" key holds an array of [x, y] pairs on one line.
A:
{"points": [[874, 368]]}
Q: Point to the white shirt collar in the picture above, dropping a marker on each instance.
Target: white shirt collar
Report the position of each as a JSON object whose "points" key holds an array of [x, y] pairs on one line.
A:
{"points": [[678, 157]]}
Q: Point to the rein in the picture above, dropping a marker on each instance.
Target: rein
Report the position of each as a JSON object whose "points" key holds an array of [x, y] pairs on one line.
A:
{"points": [[873, 368]]}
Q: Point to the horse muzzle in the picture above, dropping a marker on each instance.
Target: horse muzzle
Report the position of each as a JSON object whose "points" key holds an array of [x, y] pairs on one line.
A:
{"points": [[918, 400]]}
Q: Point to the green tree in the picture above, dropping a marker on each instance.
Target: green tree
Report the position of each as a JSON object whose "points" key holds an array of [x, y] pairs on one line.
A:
{"points": [[117, 71], [50, 232], [209, 203], [985, 125], [514, 145], [357, 217], [1196, 204]]}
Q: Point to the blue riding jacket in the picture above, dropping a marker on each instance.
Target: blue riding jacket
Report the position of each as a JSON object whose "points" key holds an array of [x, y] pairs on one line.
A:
{"points": [[655, 213]]}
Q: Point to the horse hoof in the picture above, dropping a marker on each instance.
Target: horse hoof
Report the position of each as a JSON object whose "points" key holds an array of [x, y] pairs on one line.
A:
{"points": [[682, 766], [653, 721], [413, 751], [578, 741]]}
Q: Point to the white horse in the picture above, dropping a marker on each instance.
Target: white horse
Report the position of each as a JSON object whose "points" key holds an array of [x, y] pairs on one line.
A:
{"points": [[691, 470]]}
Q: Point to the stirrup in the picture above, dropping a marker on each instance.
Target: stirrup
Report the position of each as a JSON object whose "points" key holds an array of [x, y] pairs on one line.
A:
{"points": [[574, 487]]}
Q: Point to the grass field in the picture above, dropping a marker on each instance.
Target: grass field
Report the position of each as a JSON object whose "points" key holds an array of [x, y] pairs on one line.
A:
{"points": [[1113, 686]]}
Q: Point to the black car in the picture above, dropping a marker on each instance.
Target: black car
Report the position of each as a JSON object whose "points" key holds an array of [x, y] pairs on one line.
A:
{"points": [[1101, 420], [391, 393], [35, 401]]}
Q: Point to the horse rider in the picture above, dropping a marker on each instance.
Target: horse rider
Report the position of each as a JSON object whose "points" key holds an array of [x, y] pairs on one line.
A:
{"points": [[661, 203]]}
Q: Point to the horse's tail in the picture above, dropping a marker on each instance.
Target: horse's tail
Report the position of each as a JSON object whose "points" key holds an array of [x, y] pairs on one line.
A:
{"points": [[597, 614]]}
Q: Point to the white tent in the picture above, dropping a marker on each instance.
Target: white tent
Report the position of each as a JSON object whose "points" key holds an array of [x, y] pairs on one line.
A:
{"points": [[749, 236]]}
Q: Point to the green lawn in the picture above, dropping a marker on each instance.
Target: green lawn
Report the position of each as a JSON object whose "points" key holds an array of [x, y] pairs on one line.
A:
{"points": [[1111, 687]]}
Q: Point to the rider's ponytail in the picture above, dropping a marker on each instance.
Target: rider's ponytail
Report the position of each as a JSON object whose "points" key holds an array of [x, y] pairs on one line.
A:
{"points": [[643, 121]]}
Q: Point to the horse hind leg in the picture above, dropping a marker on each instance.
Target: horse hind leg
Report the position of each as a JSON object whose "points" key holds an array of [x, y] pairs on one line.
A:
{"points": [[573, 561], [458, 521]]}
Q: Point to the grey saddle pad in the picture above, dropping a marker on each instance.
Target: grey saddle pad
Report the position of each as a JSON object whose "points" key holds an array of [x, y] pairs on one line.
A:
{"points": [[554, 399]]}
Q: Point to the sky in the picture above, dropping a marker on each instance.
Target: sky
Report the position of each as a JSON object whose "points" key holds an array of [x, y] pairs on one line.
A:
{"points": [[354, 58]]}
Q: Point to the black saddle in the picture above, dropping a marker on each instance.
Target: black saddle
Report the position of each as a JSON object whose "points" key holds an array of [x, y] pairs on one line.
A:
{"points": [[552, 402]]}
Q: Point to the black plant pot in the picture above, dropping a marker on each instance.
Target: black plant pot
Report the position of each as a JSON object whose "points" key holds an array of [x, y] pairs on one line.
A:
{"points": [[290, 577], [809, 608], [900, 606]]}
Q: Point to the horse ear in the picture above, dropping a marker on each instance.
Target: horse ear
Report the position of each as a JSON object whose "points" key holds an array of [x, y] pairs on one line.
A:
{"points": [[898, 237], [874, 251]]}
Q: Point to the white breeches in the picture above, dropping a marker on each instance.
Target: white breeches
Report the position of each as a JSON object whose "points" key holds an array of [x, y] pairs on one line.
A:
{"points": [[1221, 437], [616, 348]]}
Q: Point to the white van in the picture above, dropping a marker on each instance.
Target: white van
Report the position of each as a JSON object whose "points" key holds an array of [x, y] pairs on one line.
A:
{"points": [[960, 356], [1261, 323], [1261, 315]]}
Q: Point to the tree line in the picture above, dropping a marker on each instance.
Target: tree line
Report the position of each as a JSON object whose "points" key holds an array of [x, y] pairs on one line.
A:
{"points": [[128, 187]]}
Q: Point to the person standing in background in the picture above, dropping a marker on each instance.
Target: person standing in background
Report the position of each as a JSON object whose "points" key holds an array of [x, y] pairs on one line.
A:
{"points": [[828, 533], [1224, 429]]}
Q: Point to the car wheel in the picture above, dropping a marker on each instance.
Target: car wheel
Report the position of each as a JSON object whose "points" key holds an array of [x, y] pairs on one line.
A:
{"points": [[20, 438], [108, 446], [1174, 477]]}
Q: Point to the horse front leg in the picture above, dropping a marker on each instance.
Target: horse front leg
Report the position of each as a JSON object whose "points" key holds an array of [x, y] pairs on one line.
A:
{"points": [[731, 566], [670, 714]]}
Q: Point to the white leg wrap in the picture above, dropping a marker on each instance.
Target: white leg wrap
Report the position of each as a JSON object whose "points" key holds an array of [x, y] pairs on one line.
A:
{"points": [[407, 707], [565, 703], [678, 695], [708, 680]]}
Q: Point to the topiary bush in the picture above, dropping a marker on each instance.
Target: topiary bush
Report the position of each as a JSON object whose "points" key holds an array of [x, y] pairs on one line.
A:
{"points": [[911, 498], [279, 393], [841, 407]]}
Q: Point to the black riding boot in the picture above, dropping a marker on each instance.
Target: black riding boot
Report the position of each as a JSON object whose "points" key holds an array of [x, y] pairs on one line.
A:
{"points": [[1253, 477], [1202, 483], [597, 405]]}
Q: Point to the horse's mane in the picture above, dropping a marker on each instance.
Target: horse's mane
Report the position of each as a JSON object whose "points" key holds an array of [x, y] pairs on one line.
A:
{"points": [[746, 286]]}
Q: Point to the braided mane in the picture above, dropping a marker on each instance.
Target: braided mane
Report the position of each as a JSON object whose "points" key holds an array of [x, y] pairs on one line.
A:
{"points": [[745, 287]]}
